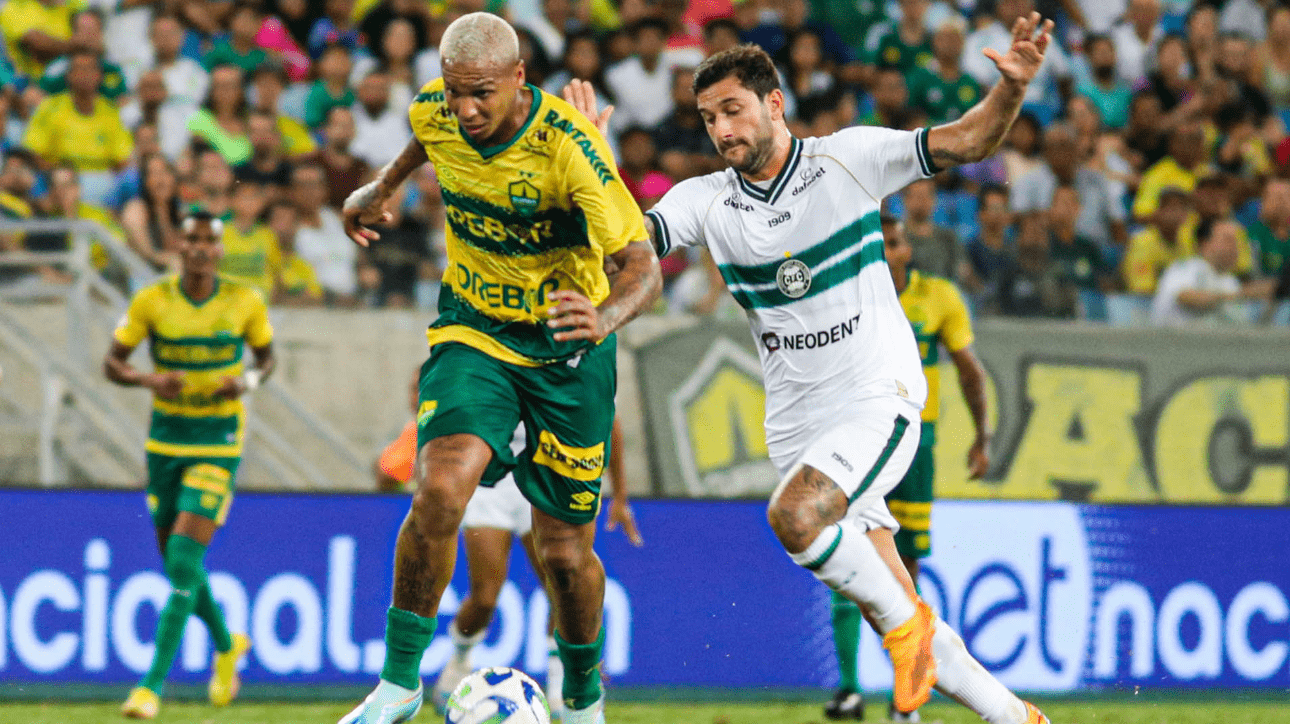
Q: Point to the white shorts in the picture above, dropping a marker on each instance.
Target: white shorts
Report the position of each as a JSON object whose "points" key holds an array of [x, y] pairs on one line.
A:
{"points": [[502, 507], [866, 453]]}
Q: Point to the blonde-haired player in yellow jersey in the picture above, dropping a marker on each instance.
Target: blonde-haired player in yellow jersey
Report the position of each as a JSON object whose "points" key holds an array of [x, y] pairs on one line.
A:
{"points": [[525, 333], [197, 325]]}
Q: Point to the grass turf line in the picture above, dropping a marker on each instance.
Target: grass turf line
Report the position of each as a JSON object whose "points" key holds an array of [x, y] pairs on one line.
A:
{"points": [[300, 713]]}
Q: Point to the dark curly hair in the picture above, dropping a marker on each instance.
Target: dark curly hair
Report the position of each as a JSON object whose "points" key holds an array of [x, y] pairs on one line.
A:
{"points": [[748, 63]]}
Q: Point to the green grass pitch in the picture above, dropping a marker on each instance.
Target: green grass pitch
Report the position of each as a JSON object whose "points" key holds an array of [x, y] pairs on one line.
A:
{"points": [[1100, 712]]}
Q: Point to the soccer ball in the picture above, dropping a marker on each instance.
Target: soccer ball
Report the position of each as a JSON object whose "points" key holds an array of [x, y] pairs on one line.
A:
{"points": [[499, 695]]}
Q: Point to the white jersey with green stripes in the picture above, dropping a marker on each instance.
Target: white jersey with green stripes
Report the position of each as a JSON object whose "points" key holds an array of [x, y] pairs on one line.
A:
{"points": [[803, 254]]}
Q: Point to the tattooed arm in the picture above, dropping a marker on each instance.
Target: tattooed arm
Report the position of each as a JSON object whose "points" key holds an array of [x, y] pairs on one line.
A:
{"points": [[980, 131], [367, 204]]}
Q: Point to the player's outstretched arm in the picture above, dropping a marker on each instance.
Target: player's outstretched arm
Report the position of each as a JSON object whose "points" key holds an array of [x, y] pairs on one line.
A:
{"points": [[367, 204], [979, 132], [972, 382]]}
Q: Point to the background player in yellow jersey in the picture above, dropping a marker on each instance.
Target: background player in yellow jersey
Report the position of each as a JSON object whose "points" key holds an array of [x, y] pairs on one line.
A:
{"points": [[940, 318], [524, 334], [197, 326]]}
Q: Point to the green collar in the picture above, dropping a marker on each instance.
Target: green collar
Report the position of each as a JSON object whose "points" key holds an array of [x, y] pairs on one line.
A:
{"points": [[179, 282]]}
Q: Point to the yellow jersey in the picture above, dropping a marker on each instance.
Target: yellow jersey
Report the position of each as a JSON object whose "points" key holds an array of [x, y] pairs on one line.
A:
{"points": [[296, 276], [525, 218], [19, 17], [939, 316], [251, 258], [1146, 259], [60, 134], [205, 342]]}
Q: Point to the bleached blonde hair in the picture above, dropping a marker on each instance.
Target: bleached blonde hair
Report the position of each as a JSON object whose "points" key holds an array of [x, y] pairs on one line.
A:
{"points": [[480, 39]]}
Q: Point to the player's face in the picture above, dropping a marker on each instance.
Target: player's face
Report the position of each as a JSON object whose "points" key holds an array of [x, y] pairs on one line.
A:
{"points": [[741, 125], [483, 98], [896, 247], [200, 249]]}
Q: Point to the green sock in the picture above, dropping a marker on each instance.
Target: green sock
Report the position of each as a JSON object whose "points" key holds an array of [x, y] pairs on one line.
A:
{"points": [[846, 640], [209, 612], [581, 670], [187, 578], [406, 637]]}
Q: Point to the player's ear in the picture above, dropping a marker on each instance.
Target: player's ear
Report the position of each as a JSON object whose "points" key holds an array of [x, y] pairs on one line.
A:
{"points": [[519, 72], [775, 99]]}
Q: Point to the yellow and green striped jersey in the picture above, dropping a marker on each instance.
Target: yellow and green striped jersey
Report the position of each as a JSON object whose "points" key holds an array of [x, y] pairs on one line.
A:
{"points": [[936, 310], [525, 218], [205, 342]]}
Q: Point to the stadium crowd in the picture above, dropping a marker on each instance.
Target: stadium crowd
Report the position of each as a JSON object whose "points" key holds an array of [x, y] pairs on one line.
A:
{"points": [[1148, 177]]}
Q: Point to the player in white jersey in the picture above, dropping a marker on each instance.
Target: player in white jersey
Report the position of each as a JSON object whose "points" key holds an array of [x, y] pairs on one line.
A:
{"points": [[794, 228]]}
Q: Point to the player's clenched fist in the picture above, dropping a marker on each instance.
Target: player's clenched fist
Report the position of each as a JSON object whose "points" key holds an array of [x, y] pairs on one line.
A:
{"points": [[577, 316]]}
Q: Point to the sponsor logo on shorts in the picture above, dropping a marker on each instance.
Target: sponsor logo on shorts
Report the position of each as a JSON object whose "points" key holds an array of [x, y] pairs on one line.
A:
{"points": [[815, 340], [793, 278], [426, 411], [577, 463], [843, 462], [582, 501]]}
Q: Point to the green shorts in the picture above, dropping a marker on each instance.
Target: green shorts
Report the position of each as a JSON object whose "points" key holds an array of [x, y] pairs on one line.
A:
{"points": [[567, 409], [910, 502], [201, 486]]}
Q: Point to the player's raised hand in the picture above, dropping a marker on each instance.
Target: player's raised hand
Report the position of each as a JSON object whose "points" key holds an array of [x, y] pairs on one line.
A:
{"points": [[1022, 60], [620, 513], [581, 95], [576, 316], [364, 206], [166, 385]]}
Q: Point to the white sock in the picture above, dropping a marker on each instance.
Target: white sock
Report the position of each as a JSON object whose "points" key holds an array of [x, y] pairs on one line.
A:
{"points": [[845, 560], [964, 679], [461, 643], [554, 677]]}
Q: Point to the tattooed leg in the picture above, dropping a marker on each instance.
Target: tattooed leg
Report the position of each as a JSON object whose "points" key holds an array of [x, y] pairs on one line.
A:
{"points": [[803, 506]]}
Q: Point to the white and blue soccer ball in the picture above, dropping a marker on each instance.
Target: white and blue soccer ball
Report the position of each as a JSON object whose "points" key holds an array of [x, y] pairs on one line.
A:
{"points": [[499, 695]]}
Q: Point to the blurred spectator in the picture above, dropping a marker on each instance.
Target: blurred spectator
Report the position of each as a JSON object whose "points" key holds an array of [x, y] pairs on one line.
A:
{"points": [[1171, 79], [1134, 39], [1050, 85], [686, 35], [1235, 65], [582, 61], [17, 177], [87, 32], [718, 35], [345, 172], [537, 64], [399, 257], [1103, 86], [267, 168], [1078, 259], [276, 37], [1201, 36], [152, 219], [335, 27], [1021, 149], [267, 85], [1102, 215], [332, 87], [297, 18], [395, 57], [239, 47], [1275, 57], [942, 88], [65, 203], [36, 32], [411, 15], [1271, 231], [550, 26], [125, 35], [904, 45], [381, 127], [682, 139], [1154, 248], [221, 123], [295, 283], [1213, 201], [321, 239], [212, 186], [643, 83], [890, 100], [1240, 152], [775, 36], [153, 106], [1202, 290], [639, 168], [935, 249], [851, 19], [81, 128], [1032, 285], [1144, 135], [801, 63], [187, 82], [250, 248], [1181, 168], [989, 254], [1247, 17]]}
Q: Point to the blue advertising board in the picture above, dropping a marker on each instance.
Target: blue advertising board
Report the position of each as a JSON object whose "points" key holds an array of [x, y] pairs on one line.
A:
{"points": [[1049, 596]]}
